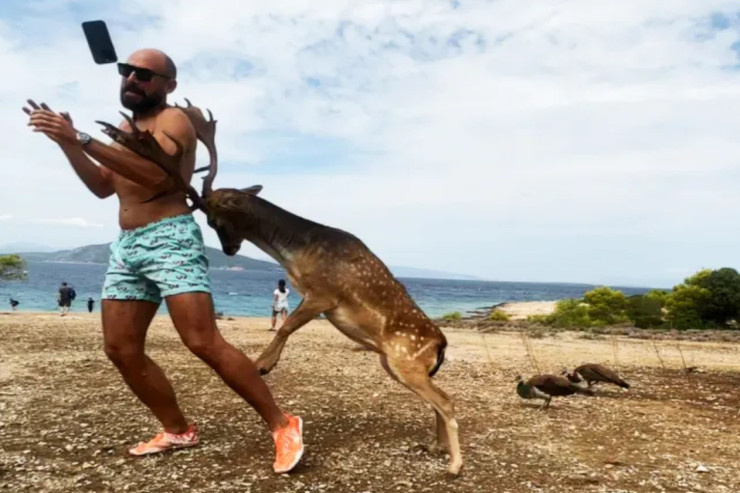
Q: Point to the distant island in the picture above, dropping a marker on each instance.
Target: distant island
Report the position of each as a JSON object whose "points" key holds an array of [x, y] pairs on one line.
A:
{"points": [[98, 254]]}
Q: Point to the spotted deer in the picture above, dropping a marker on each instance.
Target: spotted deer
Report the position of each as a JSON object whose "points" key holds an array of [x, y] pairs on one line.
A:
{"points": [[333, 271]]}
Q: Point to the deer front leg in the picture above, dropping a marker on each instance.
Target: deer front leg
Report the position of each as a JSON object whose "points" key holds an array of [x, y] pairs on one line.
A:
{"points": [[304, 313]]}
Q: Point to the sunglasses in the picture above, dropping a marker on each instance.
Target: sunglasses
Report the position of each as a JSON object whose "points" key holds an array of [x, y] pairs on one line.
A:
{"points": [[142, 74]]}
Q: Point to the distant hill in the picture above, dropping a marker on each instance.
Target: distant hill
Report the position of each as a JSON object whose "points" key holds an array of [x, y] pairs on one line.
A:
{"points": [[98, 254]]}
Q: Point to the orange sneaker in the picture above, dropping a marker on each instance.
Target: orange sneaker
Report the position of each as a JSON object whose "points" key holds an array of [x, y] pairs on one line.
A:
{"points": [[288, 445], [168, 441]]}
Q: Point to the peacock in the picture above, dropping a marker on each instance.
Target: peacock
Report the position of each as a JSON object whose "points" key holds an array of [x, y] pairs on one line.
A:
{"points": [[548, 386], [593, 373]]}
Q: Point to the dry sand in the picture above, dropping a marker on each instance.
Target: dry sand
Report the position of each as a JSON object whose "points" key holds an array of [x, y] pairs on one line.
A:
{"points": [[66, 418], [522, 309]]}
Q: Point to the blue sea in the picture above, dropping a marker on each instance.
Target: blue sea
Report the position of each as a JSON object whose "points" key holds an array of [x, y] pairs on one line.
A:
{"points": [[249, 293]]}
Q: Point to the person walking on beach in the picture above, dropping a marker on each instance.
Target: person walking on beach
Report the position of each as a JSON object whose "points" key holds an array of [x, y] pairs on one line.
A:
{"points": [[160, 254], [90, 304], [279, 303], [14, 304], [66, 296]]}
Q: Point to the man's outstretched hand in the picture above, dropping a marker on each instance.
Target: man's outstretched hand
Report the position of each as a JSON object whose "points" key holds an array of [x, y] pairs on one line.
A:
{"points": [[57, 126]]}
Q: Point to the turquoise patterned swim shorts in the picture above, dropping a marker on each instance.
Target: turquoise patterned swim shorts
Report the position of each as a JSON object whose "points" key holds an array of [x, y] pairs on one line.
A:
{"points": [[160, 259]]}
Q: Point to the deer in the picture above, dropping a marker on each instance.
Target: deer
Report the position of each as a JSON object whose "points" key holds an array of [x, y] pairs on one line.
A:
{"points": [[334, 272]]}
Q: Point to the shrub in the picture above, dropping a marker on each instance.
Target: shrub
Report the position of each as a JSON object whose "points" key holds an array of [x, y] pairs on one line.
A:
{"points": [[606, 306], [11, 267], [569, 314], [452, 316], [498, 316], [684, 306], [645, 311], [723, 303]]}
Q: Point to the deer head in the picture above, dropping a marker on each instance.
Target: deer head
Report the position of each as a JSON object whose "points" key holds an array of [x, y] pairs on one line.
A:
{"points": [[221, 204]]}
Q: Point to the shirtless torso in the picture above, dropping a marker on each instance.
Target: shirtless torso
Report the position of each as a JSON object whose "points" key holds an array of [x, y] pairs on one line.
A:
{"points": [[134, 211]]}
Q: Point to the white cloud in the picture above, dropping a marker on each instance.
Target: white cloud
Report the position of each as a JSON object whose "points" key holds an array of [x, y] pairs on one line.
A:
{"points": [[6, 217], [575, 141]]}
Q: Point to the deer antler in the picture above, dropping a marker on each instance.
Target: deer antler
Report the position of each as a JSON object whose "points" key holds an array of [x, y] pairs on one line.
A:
{"points": [[145, 145], [205, 130]]}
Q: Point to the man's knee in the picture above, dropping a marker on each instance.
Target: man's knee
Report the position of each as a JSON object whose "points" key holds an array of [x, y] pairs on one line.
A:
{"points": [[204, 346], [123, 355]]}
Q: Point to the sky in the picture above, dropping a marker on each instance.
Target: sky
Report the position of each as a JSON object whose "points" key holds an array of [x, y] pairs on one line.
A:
{"points": [[568, 141]]}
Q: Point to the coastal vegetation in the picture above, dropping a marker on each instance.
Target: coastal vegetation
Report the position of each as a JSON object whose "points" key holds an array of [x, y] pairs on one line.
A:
{"points": [[12, 267], [709, 299]]}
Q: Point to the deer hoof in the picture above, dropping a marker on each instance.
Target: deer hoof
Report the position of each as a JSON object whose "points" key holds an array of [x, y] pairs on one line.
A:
{"points": [[453, 471], [264, 369]]}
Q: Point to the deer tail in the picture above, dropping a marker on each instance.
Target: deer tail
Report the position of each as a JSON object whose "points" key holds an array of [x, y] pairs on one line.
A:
{"points": [[440, 358]]}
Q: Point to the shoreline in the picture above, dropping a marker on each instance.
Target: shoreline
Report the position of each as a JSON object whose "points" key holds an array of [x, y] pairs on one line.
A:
{"points": [[517, 310]]}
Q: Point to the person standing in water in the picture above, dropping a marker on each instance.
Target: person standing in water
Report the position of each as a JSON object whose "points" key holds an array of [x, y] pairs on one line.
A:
{"points": [[279, 302], [90, 304], [66, 295]]}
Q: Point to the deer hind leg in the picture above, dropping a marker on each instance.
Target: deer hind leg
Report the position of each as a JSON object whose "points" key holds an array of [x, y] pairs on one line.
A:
{"points": [[443, 439], [304, 313], [414, 376]]}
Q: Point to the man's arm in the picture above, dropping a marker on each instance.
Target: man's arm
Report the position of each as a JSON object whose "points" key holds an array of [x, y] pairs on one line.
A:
{"points": [[97, 179], [142, 171], [121, 161]]}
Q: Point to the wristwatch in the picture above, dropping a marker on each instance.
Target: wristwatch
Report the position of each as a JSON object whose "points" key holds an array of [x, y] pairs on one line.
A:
{"points": [[83, 138]]}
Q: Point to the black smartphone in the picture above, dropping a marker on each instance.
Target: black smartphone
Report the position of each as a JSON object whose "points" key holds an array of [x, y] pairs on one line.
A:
{"points": [[98, 39]]}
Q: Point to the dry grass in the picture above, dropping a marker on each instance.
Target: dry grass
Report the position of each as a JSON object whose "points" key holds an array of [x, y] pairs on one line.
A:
{"points": [[66, 418]]}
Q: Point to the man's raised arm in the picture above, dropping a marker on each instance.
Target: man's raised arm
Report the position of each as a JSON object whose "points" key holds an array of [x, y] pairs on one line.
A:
{"points": [[121, 161], [172, 125]]}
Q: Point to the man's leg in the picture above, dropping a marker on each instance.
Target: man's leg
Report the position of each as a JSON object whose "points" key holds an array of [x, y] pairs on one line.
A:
{"points": [[125, 324], [193, 316]]}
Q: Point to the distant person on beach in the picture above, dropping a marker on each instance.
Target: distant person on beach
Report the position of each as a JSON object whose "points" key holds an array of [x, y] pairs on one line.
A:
{"points": [[279, 302], [14, 304], [159, 254], [67, 294], [90, 304]]}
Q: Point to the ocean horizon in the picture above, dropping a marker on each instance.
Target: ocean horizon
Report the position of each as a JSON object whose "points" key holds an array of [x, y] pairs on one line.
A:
{"points": [[249, 292]]}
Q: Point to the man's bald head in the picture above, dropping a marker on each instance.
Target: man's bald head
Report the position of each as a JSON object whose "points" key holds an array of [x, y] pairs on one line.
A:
{"points": [[155, 60], [143, 96]]}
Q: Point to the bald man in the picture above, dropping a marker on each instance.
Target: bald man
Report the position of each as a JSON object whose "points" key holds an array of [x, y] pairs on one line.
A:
{"points": [[159, 254]]}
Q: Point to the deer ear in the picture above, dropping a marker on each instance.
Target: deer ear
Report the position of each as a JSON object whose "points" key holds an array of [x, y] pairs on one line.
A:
{"points": [[253, 190]]}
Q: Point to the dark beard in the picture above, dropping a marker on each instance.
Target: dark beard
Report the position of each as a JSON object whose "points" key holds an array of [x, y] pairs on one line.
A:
{"points": [[143, 105]]}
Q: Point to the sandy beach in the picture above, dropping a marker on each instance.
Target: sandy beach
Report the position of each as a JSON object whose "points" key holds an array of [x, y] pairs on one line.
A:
{"points": [[523, 309], [66, 417]]}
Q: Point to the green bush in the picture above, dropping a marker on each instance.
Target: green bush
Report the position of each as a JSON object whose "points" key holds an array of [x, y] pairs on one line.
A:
{"points": [[498, 316], [452, 316], [11, 267], [645, 311], [606, 306], [569, 314], [539, 319], [723, 303], [684, 307]]}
